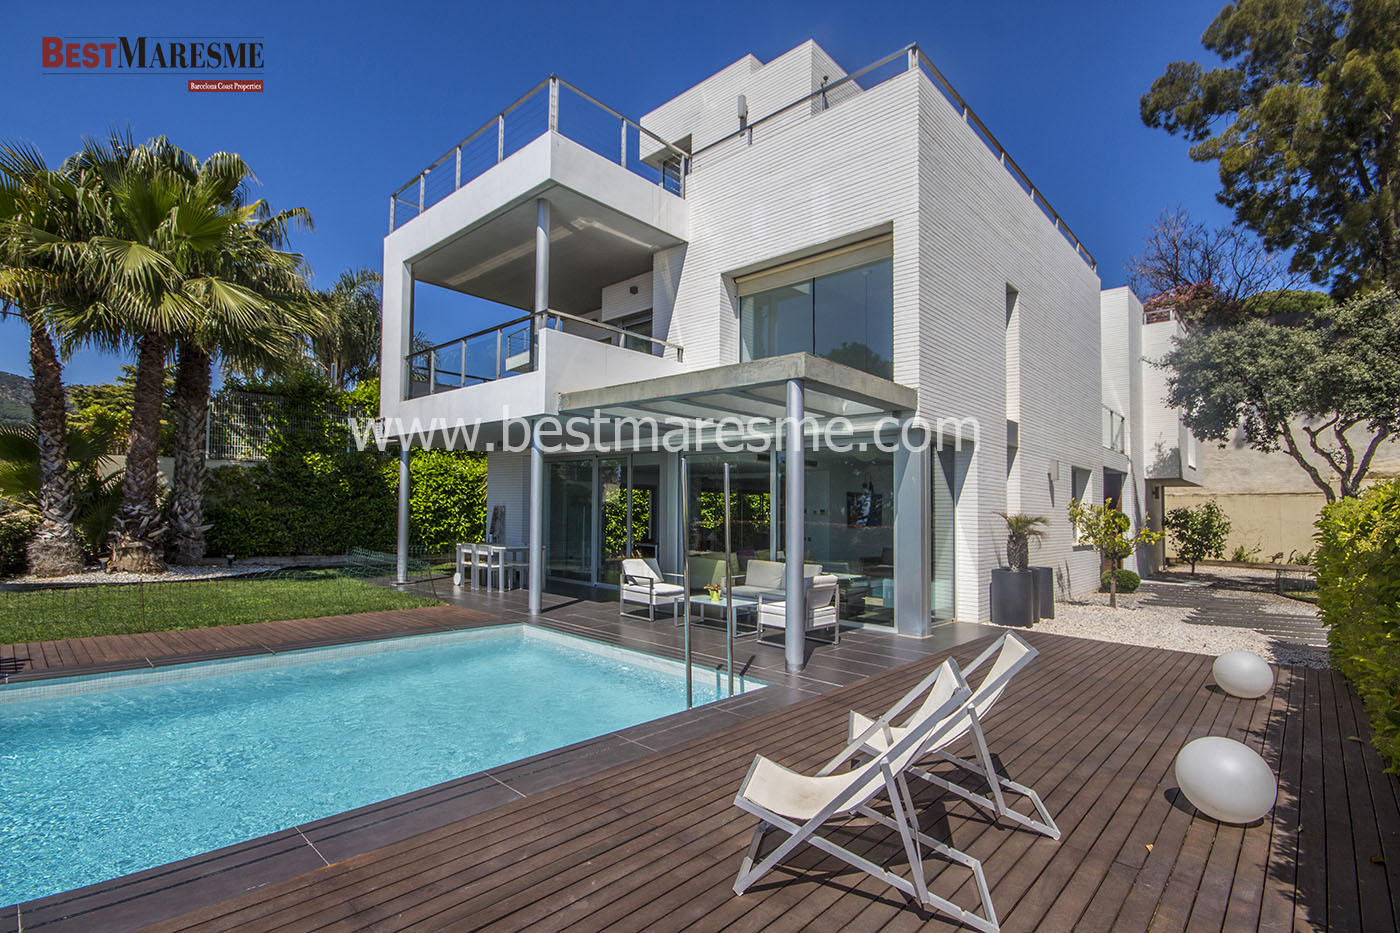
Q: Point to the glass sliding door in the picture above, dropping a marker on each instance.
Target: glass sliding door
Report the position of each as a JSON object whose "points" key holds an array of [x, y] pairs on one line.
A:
{"points": [[646, 500], [776, 322], [853, 318], [613, 485], [598, 511], [750, 511], [569, 495], [942, 540], [849, 528], [846, 316]]}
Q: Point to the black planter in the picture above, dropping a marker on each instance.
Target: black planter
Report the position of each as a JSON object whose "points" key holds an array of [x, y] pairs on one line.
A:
{"points": [[1044, 591], [1013, 598]]}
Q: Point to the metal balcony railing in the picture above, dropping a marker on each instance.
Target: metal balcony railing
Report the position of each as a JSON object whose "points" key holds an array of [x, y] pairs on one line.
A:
{"points": [[1115, 430], [552, 105], [510, 349]]}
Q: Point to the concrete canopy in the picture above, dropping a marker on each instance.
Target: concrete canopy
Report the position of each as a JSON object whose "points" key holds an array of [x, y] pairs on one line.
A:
{"points": [[755, 389]]}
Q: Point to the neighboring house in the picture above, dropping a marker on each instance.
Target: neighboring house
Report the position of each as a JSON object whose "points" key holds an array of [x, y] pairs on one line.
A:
{"points": [[780, 239], [1271, 503], [1157, 454]]}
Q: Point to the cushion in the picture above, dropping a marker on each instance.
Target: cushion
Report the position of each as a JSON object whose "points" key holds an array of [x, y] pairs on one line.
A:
{"points": [[661, 591]]}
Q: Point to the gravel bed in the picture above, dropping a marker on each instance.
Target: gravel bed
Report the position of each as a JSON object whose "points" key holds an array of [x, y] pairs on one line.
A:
{"points": [[1137, 621], [172, 574]]}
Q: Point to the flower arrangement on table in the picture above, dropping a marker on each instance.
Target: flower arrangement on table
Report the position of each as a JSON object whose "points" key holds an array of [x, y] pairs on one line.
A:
{"points": [[714, 590]]}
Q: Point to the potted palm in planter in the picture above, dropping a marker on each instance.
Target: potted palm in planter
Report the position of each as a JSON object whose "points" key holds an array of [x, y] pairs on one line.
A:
{"points": [[1014, 599]]}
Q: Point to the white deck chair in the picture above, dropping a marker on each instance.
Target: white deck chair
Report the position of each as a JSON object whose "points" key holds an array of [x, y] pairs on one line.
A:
{"points": [[800, 805], [1012, 653]]}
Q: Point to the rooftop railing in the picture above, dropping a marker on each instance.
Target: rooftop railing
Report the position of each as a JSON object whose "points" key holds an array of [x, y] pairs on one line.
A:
{"points": [[556, 105], [552, 105], [510, 349]]}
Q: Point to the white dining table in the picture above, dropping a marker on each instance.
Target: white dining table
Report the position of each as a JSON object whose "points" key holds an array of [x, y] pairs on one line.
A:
{"points": [[482, 555]]}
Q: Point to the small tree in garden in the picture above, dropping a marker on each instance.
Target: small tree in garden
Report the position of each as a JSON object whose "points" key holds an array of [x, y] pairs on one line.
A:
{"points": [[1109, 531], [1199, 532], [1020, 529]]}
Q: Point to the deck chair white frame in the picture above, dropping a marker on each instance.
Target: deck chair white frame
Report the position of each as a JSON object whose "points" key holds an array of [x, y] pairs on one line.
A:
{"points": [[1012, 653], [883, 772]]}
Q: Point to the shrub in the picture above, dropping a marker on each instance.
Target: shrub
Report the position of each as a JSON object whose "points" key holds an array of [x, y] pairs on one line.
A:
{"points": [[1198, 532], [1358, 593], [1243, 555], [16, 528], [1127, 580]]}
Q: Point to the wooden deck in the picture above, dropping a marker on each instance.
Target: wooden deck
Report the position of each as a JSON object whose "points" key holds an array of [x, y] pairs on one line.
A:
{"points": [[654, 843], [29, 660]]}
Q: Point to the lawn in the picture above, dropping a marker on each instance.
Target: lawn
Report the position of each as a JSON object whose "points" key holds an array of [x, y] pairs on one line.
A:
{"points": [[113, 609]]}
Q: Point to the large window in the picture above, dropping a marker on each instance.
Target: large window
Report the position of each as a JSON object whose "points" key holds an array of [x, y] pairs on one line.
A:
{"points": [[845, 316]]}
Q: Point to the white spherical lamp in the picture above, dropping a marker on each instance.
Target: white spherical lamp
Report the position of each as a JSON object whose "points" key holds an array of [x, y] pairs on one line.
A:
{"points": [[1226, 780], [1242, 674]]}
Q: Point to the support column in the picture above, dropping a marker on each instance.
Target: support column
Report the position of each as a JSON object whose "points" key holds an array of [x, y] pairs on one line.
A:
{"points": [[795, 595], [536, 454], [401, 565], [541, 255], [912, 555], [536, 522], [541, 279]]}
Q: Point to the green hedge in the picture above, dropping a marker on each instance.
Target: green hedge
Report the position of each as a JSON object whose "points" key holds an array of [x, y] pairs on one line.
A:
{"points": [[16, 528], [316, 494], [447, 501], [1358, 593]]}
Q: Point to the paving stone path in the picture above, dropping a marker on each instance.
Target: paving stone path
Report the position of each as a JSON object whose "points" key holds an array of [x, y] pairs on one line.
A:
{"points": [[1239, 603]]}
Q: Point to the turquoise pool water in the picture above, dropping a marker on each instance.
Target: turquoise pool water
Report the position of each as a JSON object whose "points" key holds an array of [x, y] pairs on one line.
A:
{"points": [[104, 776]]}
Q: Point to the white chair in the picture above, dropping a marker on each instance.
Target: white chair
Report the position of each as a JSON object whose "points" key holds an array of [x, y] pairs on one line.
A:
{"points": [[643, 582], [821, 609], [801, 805], [1012, 654]]}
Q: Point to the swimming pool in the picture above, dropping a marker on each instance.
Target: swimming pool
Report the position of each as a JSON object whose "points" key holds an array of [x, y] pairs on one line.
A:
{"points": [[107, 775]]}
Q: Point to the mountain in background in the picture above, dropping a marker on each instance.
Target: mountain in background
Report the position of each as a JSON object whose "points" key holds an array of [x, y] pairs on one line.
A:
{"points": [[16, 397]]}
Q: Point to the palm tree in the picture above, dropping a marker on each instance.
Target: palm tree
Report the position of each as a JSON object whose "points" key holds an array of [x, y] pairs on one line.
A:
{"points": [[256, 311], [96, 492], [158, 232], [42, 219], [1020, 529], [347, 352]]}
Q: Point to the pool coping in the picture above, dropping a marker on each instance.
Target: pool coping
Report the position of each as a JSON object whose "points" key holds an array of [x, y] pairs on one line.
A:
{"points": [[144, 897], [460, 619]]}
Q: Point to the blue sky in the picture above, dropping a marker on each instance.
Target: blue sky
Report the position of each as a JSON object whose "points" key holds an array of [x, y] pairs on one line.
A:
{"points": [[357, 102]]}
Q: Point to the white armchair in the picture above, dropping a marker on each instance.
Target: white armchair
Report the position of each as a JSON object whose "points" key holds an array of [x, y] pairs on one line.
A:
{"points": [[821, 609], [643, 582]]}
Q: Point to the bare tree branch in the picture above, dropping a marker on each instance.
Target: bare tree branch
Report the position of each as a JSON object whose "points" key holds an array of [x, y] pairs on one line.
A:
{"points": [[1180, 253]]}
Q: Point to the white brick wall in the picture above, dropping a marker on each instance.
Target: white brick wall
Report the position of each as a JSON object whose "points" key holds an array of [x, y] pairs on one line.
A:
{"points": [[508, 484], [848, 170], [1168, 446], [978, 231], [709, 111]]}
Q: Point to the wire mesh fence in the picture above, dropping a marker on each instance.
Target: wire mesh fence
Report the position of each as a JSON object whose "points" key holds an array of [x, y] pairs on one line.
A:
{"points": [[1297, 582], [38, 612]]}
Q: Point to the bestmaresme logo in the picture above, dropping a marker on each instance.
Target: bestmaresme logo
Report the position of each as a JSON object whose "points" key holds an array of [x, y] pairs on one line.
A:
{"points": [[223, 63]]}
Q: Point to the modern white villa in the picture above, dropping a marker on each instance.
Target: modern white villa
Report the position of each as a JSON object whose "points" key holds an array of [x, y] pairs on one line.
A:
{"points": [[785, 240]]}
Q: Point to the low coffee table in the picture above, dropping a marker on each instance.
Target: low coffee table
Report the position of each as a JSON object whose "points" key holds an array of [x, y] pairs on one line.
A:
{"points": [[741, 604]]}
